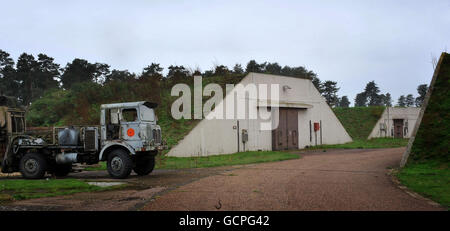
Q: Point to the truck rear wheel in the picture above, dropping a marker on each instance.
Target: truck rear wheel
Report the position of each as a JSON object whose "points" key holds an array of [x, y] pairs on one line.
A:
{"points": [[119, 164], [33, 166], [144, 164]]}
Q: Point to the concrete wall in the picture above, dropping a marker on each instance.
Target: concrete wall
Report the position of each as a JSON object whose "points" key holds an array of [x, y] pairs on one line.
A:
{"points": [[219, 136], [408, 114]]}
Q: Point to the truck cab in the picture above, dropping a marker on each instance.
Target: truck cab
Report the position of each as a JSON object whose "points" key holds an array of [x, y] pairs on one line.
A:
{"points": [[131, 123]]}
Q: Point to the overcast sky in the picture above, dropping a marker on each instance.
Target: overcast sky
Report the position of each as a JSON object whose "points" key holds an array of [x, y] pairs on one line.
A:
{"points": [[351, 42]]}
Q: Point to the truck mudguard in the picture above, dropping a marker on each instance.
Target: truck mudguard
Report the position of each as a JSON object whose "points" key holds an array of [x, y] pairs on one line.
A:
{"points": [[112, 144]]}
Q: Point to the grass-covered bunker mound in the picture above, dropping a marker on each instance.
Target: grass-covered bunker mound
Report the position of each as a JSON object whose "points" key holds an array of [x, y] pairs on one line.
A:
{"points": [[433, 135], [427, 169], [359, 121]]}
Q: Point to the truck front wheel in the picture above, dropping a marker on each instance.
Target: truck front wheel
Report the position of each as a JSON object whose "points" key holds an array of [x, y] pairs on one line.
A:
{"points": [[144, 164], [33, 166], [119, 164]]}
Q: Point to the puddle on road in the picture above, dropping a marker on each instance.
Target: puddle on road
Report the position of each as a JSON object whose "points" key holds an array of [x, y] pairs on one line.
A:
{"points": [[105, 184]]}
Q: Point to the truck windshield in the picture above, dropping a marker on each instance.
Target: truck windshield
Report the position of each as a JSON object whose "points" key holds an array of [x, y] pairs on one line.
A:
{"points": [[147, 114]]}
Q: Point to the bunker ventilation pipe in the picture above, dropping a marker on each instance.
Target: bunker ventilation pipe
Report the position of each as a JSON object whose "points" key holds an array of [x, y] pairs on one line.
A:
{"points": [[66, 158], [238, 144], [320, 125]]}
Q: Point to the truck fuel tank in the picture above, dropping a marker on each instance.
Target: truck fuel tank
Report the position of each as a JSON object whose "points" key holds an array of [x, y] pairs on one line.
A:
{"points": [[68, 137], [66, 158]]}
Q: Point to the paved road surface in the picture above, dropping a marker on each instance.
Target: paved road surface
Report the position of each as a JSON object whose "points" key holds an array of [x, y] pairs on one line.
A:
{"points": [[332, 180]]}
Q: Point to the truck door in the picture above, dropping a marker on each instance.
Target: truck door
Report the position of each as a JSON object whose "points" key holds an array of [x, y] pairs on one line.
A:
{"points": [[130, 124], [111, 124]]}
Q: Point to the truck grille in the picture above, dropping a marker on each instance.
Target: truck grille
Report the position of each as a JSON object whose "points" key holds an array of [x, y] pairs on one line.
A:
{"points": [[90, 140], [157, 136]]}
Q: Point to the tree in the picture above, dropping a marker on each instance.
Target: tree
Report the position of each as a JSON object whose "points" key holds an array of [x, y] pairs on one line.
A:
{"points": [[387, 100], [299, 72], [361, 100], [208, 73], [177, 72], [253, 66], [371, 97], [422, 90], [221, 70], [401, 101], [154, 71], [330, 90], [196, 71], [79, 70], [273, 68], [344, 102], [317, 83], [409, 100], [117, 75], [46, 75], [30, 79], [237, 69], [372, 93], [101, 70], [9, 84], [25, 72]]}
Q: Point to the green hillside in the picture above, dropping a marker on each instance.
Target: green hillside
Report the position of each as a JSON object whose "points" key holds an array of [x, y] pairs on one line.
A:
{"points": [[359, 121], [81, 104], [432, 140], [428, 168], [175, 130]]}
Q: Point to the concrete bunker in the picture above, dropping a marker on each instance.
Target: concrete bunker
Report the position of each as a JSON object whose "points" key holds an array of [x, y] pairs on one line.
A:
{"points": [[304, 117], [396, 122]]}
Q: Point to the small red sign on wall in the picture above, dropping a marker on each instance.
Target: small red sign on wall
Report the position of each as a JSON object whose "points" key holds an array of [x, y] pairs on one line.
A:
{"points": [[316, 127]]}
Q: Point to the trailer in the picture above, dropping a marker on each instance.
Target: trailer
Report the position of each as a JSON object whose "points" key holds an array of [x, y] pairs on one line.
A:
{"points": [[128, 139]]}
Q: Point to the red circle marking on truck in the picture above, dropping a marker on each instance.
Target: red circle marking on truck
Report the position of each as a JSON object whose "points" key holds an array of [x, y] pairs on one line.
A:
{"points": [[130, 132]]}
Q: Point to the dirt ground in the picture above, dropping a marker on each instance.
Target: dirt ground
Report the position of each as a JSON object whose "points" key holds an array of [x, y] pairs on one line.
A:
{"points": [[331, 180]]}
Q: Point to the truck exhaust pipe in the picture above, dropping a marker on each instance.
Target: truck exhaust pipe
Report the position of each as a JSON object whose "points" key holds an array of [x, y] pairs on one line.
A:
{"points": [[66, 158]]}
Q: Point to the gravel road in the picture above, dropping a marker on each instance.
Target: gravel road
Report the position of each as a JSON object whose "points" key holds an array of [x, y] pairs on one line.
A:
{"points": [[331, 180]]}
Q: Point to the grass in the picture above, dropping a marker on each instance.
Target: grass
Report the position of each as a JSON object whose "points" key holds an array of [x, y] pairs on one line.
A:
{"points": [[433, 135], [367, 144], [216, 160], [258, 156], [175, 130], [359, 121], [224, 160], [27, 189], [428, 178]]}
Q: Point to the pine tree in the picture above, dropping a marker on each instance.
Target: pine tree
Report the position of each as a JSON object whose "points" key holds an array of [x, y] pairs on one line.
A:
{"points": [[330, 90], [361, 100], [409, 100], [387, 100], [344, 102], [422, 90], [237, 69], [401, 101]]}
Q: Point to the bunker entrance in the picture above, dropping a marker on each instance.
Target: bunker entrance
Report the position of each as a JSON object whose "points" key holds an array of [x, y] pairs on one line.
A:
{"points": [[398, 128], [285, 136]]}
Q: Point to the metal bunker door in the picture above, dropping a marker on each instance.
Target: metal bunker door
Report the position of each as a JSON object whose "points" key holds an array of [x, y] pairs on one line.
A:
{"points": [[398, 128], [285, 136]]}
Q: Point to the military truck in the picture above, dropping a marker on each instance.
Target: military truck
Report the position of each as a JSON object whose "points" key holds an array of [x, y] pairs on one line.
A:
{"points": [[128, 138]]}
